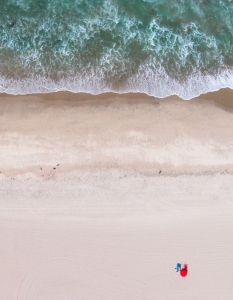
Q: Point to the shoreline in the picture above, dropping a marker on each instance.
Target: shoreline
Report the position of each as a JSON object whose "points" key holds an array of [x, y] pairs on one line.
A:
{"points": [[223, 96], [61, 134], [165, 86]]}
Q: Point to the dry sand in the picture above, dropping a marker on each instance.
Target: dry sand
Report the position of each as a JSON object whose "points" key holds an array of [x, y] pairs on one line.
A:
{"points": [[101, 196]]}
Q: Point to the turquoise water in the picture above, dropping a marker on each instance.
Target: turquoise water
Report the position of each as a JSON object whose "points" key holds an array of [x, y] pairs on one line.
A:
{"points": [[160, 47]]}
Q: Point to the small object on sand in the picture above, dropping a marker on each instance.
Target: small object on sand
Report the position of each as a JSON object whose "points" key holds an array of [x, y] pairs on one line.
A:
{"points": [[184, 271], [54, 168], [160, 172], [57, 165], [178, 267]]}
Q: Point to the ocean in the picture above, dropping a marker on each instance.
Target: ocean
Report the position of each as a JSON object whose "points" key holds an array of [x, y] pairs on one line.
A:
{"points": [[158, 47]]}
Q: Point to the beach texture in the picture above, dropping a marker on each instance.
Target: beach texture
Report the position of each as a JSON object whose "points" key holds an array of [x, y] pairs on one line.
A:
{"points": [[101, 197], [134, 133]]}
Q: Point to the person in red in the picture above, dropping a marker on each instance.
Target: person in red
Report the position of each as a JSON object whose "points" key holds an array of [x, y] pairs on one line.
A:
{"points": [[184, 271]]}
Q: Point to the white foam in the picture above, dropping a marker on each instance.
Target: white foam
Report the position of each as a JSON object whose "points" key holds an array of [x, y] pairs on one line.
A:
{"points": [[154, 83], [158, 41]]}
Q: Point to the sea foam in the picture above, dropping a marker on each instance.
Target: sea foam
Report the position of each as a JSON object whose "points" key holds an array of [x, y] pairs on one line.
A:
{"points": [[157, 85], [158, 47]]}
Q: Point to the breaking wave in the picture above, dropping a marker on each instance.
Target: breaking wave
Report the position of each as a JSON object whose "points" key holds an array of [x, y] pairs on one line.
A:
{"points": [[146, 82], [156, 47]]}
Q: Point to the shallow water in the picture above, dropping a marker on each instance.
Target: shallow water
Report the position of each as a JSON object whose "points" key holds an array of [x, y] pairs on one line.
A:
{"points": [[159, 47]]}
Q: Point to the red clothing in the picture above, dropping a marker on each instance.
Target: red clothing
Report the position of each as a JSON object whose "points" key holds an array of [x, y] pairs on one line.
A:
{"points": [[183, 272]]}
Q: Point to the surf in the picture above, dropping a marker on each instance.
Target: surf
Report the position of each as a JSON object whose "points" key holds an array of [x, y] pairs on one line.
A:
{"points": [[149, 46]]}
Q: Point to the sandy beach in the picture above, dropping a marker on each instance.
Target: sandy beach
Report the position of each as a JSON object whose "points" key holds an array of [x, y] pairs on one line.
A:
{"points": [[101, 196]]}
